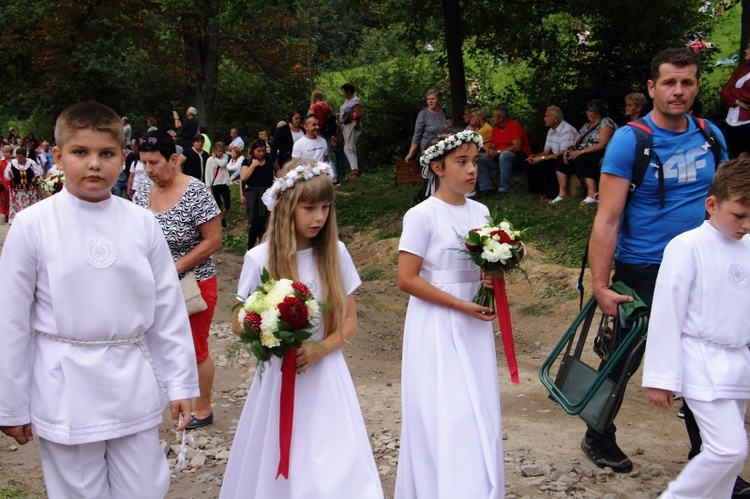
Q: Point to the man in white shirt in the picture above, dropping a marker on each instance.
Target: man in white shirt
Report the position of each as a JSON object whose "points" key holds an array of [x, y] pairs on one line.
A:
{"points": [[236, 140], [561, 134], [311, 146]]}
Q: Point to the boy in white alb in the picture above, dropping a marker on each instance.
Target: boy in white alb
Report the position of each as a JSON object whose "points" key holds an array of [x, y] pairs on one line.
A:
{"points": [[311, 146], [92, 276], [698, 334]]}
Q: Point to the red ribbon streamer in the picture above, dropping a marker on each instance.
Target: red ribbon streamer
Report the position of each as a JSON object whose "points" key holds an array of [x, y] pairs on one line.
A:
{"points": [[506, 328], [286, 413]]}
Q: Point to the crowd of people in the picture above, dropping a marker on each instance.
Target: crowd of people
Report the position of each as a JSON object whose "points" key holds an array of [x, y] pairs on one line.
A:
{"points": [[73, 382]]}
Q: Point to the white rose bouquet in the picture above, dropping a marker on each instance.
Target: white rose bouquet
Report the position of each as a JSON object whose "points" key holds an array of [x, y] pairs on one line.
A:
{"points": [[277, 317], [496, 247], [53, 182]]}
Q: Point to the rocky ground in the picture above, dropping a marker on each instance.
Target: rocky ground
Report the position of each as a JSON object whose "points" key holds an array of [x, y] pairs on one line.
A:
{"points": [[542, 443]]}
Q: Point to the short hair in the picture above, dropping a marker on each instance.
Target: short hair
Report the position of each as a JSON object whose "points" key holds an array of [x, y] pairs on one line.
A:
{"points": [[434, 91], [21, 152], [557, 112], [309, 117], [296, 111], [192, 111], [151, 121], [235, 130], [7, 148], [680, 57], [732, 182], [348, 88], [502, 111], [160, 142], [481, 112], [199, 138], [599, 106], [636, 98], [125, 119], [88, 116]]}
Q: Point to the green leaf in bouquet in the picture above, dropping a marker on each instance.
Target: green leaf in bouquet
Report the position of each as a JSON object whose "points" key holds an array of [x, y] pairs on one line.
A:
{"points": [[259, 351], [474, 239], [284, 326], [284, 335], [248, 336], [302, 335], [264, 276]]}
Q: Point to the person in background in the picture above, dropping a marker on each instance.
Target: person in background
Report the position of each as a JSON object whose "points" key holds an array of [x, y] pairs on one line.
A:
{"points": [[5, 183], [350, 121], [508, 145], [263, 135], [237, 141], [190, 221], [178, 147], [127, 129], [736, 96], [217, 179], [542, 174], [24, 176], [151, 124], [189, 127], [257, 175], [468, 111], [635, 106], [193, 160], [323, 111], [285, 137], [584, 157], [429, 122]]}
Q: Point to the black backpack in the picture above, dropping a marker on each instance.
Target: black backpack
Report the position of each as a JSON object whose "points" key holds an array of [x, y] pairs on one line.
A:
{"points": [[328, 127]]}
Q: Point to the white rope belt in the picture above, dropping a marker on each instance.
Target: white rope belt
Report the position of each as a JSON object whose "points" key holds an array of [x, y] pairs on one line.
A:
{"points": [[714, 344], [136, 340], [451, 276]]}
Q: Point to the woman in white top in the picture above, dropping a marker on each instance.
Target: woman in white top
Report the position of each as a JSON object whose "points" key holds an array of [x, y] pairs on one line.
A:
{"points": [[234, 165], [217, 178], [137, 175]]}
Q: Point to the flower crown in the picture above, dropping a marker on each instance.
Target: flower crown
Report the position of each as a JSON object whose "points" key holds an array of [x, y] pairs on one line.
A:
{"points": [[448, 144], [297, 174]]}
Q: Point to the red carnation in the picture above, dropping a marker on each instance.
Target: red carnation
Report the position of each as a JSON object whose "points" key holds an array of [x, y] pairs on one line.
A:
{"points": [[301, 288], [254, 320], [473, 249], [293, 312]]}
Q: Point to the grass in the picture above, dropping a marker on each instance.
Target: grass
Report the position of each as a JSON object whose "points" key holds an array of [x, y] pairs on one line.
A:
{"points": [[371, 274]]}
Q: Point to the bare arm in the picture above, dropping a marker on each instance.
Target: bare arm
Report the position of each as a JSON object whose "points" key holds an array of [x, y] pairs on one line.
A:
{"points": [[613, 192], [605, 135], [247, 170], [411, 282], [211, 233]]}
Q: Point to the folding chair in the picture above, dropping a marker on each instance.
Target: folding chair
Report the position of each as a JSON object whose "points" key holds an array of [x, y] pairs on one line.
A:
{"points": [[581, 389]]}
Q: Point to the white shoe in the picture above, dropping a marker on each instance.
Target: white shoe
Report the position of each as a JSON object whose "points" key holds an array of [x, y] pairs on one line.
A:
{"points": [[557, 200], [589, 200]]}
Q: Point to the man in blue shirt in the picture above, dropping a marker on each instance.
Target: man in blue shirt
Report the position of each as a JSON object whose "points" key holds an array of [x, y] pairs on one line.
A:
{"points": [[636, 248]]}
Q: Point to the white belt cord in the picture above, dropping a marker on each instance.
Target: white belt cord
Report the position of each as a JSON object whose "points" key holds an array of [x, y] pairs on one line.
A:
{"points": [[714, 344], [137, 340]]}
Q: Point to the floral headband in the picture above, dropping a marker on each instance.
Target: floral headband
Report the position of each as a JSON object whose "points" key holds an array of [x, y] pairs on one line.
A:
{"points": [[442, 148], [297, 174]]}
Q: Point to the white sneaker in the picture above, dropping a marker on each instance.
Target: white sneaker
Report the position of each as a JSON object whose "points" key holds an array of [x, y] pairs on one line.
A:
{"points": [[557, 200], [589, 200]]}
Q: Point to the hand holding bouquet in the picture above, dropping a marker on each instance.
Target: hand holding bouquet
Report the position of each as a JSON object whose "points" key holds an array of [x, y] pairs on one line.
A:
{"points": [[277, 317], [498, 249]]}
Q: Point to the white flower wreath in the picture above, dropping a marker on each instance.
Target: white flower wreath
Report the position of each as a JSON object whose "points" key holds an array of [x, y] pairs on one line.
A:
{"points": [[297, 174], [448, 144]]}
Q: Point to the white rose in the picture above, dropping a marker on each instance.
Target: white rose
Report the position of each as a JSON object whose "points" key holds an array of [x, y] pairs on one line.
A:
{"points": [[256, 302], [312, 308], [504, 226], [504, 252], [269, 320], [490, 251]]}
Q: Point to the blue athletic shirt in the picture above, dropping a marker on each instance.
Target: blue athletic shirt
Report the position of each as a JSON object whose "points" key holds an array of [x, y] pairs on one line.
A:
{"points": [[688, 170]]}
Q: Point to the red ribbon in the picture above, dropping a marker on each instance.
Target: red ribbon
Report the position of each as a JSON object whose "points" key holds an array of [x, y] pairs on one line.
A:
{"points": [[286, 413], [506, 328]]}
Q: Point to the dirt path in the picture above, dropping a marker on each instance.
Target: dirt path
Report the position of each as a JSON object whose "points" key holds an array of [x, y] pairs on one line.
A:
{"points": [[542, 453]]}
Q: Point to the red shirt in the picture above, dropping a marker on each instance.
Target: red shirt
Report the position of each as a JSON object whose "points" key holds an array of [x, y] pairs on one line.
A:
{"points": [[512, 130]]}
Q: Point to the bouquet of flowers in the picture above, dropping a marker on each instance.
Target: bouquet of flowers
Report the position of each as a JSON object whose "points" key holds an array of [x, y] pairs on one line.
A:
{"points": [[496, 247], [277, 317], [53, 183]]}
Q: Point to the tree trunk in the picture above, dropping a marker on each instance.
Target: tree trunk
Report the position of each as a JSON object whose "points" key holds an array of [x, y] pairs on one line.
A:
{"points": [[200, 34], [454, 47]]}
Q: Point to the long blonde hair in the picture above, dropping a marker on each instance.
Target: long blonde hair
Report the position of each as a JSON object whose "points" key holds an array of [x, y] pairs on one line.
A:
{"points": [[317, 96], [282, 242]]}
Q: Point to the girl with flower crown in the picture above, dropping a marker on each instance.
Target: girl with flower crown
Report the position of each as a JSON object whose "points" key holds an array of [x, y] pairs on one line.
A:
{"points": [[451, 435], [330, 454]]}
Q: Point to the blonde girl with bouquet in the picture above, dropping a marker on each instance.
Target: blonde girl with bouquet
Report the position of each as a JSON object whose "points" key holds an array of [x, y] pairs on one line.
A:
{"points": [[451, 435], [330, 455]]}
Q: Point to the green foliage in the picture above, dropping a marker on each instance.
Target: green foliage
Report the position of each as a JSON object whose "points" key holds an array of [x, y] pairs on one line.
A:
{"points": [[371, 274], [537, 309], [233, 243], [371, 199]]}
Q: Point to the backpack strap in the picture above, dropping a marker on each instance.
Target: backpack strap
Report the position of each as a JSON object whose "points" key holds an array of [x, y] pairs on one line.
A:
{"points": [[712, 141], [643, 159]]}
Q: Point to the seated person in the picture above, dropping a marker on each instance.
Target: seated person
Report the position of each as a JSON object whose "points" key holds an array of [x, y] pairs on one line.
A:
{"points": [[508, 146], [560, 136], [480, 125], [584, 156]]}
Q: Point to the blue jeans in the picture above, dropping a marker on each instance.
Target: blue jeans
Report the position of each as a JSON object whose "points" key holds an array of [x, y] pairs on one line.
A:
{"points": [[504, 162]]}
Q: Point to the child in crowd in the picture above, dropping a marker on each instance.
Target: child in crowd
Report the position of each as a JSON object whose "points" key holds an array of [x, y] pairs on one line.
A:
{"points": [[93, 277], [330, 453], [698, 334], [451, 434]]}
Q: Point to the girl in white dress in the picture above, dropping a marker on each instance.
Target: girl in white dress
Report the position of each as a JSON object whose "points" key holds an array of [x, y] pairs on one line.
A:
{"points": [[330, 456], [451, 435]]}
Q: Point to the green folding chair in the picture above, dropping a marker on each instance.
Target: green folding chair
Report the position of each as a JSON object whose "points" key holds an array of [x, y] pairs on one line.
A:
{"points": [[582, 389]]}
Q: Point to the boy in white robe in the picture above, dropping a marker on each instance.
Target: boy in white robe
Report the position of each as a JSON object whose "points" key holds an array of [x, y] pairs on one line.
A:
{"points": [[92, 276], [699, 333]]}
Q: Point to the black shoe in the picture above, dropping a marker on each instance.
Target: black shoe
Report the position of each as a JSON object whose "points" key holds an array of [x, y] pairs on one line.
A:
{"points": [[197, 423], [741, 489], [607, 454], [223, 223]]}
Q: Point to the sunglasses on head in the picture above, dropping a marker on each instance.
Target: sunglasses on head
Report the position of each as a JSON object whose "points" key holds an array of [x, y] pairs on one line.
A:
{"points": [[148, 144]]}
